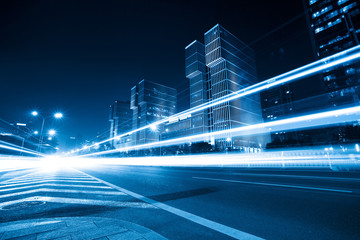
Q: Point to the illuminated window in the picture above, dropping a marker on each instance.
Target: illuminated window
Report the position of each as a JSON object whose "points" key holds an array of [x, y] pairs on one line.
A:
{"points": [[322, 11], [342, 1], [348, 7]]}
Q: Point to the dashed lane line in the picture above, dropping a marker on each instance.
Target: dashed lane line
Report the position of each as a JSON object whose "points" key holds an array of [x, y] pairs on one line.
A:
{"points": [[299, 176], [275, 185]]}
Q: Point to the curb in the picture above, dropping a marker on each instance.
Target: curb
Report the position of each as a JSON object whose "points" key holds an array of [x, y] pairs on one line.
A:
{"points": [[79, 228]]}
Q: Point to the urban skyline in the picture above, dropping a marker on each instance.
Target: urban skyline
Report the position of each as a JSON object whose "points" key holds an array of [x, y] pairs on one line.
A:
{"points": [[86, 86], [180, 119]]}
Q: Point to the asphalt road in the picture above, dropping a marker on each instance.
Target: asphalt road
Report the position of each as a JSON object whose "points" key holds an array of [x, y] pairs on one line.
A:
{"points": [[199, 203]]}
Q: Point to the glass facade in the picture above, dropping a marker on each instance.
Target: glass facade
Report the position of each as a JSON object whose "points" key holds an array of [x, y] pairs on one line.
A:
{"points": [[120, 122], [231, 67], [150, 102], [221, 66], [335, 26], [197, 72]]}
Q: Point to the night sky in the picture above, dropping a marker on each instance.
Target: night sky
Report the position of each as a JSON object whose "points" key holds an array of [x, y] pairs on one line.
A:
{"points": [[80, 56]]}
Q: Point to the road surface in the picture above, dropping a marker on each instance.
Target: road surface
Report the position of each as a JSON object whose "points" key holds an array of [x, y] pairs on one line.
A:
{"points": [[192, 203]]}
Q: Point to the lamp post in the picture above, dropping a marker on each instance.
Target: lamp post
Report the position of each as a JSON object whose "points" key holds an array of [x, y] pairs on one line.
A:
{"points": [[52, 132]]}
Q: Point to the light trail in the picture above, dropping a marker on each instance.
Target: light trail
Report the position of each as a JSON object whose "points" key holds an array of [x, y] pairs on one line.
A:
{"points": [[307, 70], [339, 116], [340, 157], [344, 157], [16, 148]]}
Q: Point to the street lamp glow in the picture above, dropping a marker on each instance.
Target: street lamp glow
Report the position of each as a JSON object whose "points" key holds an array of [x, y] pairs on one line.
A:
{"points": [[153, 127], [52, 132], [58, 115], [49, 138], [34, 113], [36, 132]]}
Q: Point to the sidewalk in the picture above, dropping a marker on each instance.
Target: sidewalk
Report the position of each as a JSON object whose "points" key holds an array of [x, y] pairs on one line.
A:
{"points": [[76, 228]]}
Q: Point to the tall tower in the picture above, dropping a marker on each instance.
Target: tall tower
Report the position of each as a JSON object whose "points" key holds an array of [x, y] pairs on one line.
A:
{"points": [[335, 26], [120, 121], [150, 102], [231, 66], [220, 67], [197, 72]]}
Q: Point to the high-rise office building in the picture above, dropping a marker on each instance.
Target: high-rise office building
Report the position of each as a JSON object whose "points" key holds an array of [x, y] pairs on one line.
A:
{"points": [[335, 26], [150, 102], [120, 122], [197, 72], [220, 67]]}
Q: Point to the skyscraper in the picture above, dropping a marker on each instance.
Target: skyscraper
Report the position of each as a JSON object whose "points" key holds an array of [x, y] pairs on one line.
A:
{"points": [[220, 67], [196, 71], [335, 26], [150, 102], [120, 122]]}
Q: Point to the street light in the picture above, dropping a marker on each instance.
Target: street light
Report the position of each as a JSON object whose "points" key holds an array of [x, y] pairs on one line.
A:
{"points": [[57, 115], [36, 132], [52, 132], [154, 127]]}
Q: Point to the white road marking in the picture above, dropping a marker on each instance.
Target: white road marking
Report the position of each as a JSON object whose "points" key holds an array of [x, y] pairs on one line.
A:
{"points": [[57, 179], [79, 201], [45, 181], [299, 176], [232, 232], [50, 177], [54, 185], [12, 169], [61, 191], [276, 185], [4, 182]]}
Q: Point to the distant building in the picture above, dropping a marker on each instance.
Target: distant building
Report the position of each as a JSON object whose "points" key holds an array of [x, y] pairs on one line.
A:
{"points": [[150, 102], [277, 103], [120, 122], [220, 67], [335, 26]]}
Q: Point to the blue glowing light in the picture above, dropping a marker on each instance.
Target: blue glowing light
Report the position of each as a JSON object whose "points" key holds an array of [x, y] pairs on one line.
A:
{"points": [[344, 115], [58, 115]]}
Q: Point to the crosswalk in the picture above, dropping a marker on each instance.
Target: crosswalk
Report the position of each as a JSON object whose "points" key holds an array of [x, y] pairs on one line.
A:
{"points": [[67, 186]]}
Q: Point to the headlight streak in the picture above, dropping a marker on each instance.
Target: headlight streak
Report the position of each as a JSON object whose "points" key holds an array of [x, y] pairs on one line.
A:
{"points": [[301, 122], [293, 158], [16, 148], [307, 70]]}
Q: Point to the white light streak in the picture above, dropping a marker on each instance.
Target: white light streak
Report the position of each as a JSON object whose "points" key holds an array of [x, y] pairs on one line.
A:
{"points": [[306, 121], [20, 149]]}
